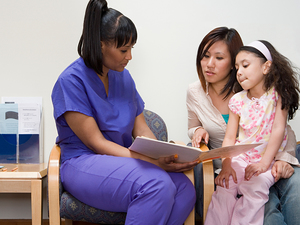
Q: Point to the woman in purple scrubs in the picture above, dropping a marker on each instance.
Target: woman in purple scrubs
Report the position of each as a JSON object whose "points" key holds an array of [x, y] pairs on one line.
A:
{"points": [[98, 110]]}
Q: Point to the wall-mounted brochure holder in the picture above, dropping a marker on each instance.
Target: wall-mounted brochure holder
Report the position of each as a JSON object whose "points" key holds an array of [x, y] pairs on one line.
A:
{"points": [[21, 137]]}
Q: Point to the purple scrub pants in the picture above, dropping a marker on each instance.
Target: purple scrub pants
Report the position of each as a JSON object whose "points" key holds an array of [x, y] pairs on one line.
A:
{"points": [[147, 193]]}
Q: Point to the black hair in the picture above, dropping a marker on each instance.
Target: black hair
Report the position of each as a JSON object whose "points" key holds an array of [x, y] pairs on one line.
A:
{"points": [[282, 75], [234, 42], [103, 24]]}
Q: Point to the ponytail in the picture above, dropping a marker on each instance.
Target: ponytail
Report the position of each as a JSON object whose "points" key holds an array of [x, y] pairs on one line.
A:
{"points": [[89, 46], [103, 25]]}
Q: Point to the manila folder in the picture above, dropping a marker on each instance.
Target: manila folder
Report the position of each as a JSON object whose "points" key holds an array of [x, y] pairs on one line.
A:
{"points": [[156, 149]]}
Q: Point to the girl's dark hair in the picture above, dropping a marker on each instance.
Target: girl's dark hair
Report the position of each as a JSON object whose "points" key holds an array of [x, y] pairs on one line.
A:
{"points": [[234, 42], [103, 24], [282, 75]]}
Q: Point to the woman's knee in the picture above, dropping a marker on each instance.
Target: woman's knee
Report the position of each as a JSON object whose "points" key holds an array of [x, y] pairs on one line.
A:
{"points": [[289, 186], [184, 186], [159, 186]]}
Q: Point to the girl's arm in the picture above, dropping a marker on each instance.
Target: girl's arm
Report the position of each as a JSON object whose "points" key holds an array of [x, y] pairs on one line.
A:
{"points": [[231, 130], [229, 139], [275, 141], [86, 128]]}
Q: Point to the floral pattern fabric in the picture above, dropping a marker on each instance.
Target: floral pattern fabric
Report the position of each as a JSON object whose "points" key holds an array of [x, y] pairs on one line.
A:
{"points": [[256, 119]]}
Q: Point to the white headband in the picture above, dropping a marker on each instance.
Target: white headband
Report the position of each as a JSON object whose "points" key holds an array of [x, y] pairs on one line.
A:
{"points": [[262, 48]]}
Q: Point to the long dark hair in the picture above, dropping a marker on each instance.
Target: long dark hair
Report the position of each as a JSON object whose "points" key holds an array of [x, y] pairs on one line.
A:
{"points": [[282, 75], [103, 24], [234, 42]]}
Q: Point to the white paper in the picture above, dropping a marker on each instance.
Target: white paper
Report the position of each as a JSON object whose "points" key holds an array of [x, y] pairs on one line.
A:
{"points": [[155, 149], [29, 118]]}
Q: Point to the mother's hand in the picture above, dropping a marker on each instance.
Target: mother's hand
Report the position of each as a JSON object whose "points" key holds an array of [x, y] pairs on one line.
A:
{"points": [[199, 134], [282, 169], [169, 164]]}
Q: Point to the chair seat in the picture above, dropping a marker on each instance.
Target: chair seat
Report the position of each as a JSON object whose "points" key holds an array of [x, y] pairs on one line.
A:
{"points": [[73, 209]]}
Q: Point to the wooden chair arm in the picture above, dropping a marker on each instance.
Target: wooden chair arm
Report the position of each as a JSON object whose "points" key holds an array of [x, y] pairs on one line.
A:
{"points": [[208, 182], [191, 218], [190, 174], [53, 186]]}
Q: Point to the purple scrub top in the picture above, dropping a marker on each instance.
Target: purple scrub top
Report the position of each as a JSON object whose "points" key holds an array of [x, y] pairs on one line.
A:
{"points": [[80, 89]]}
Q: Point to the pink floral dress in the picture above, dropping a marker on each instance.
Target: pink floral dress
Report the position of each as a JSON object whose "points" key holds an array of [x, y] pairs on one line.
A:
{"points": [[256, 120]]}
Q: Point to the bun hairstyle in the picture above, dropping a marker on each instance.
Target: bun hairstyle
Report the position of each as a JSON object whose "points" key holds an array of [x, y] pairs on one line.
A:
{"points": [[282, 75], [103, 24]]}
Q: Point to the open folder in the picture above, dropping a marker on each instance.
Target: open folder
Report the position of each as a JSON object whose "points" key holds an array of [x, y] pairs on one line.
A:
{"points": [[155, 149]]}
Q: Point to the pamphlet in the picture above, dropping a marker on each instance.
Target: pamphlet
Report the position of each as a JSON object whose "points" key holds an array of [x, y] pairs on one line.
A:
{"points": [[21, 130]]}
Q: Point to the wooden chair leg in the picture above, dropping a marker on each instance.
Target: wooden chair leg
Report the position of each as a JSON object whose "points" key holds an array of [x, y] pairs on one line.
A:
{"points": [[208, 182], [191, 218], [190, 174], [68, 222], [53, 186]]}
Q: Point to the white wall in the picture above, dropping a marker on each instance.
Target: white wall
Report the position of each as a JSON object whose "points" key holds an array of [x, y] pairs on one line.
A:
{"points": [[38, 39]]}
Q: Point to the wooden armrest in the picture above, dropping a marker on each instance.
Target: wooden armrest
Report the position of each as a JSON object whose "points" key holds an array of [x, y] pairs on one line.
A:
{"points": [[53, 186], [191, 218], [190, 174], [208, 182]]}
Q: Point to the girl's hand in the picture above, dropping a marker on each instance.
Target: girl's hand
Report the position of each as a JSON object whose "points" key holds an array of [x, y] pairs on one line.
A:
{"points": [[169, 164], [225, 173], [282, 169], [255, 169], [199, 134]]}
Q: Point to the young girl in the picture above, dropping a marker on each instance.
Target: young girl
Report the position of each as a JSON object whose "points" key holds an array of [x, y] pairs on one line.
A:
{"points": [[259, 113]]}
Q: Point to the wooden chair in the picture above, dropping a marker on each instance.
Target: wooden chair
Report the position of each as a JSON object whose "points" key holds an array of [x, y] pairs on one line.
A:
{"points": [[208, 182], [63, 205]]}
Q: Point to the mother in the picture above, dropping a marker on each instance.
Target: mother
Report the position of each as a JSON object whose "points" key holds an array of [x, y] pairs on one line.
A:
{"points": [[207, 105]]}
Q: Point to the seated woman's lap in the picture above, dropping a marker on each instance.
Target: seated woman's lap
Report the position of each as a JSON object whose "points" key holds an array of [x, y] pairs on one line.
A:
{"points": [[283, 206], [112, 183]]}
